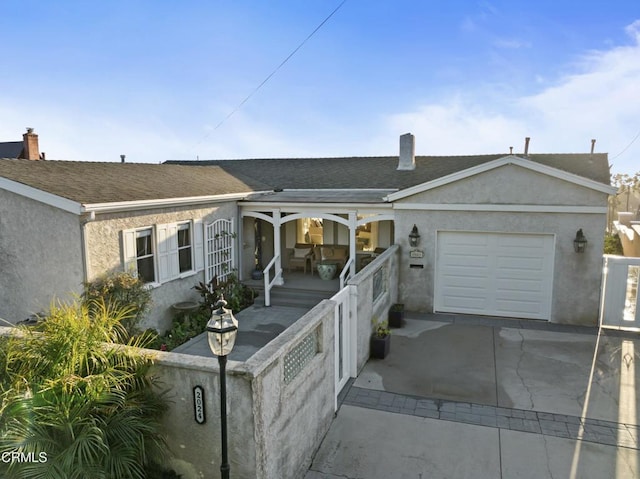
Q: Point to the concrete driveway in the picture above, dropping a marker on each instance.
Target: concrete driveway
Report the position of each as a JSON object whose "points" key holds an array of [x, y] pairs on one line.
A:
{"points": [[466, 397]]}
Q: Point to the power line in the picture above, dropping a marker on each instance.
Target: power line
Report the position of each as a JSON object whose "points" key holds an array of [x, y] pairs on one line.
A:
{"points": [[255, 90], [627, 147]]}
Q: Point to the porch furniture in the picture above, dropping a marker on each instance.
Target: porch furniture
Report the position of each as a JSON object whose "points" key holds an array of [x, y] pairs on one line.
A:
{"points": [[327, 269], [335, 253], [300, 256]]}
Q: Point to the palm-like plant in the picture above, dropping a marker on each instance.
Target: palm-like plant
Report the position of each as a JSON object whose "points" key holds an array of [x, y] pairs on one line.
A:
{"points": [[69, 389]]}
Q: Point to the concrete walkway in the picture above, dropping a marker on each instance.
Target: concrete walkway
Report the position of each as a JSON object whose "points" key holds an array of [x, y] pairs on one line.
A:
{"points": [[464, 397]]}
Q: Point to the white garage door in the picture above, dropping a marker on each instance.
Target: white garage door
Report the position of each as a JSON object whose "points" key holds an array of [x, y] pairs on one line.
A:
{"points": [[494, 274]]}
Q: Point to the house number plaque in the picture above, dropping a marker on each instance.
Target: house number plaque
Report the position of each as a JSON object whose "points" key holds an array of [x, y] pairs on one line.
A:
{"points": [[416, 253], [198, 405]]}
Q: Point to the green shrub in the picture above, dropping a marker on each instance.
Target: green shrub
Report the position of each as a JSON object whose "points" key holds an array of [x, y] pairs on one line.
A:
{"points": [[612, 244], [121, 291], [69, 392]]}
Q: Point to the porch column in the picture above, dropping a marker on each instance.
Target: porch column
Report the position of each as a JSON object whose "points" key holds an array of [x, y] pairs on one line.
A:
{"points": [[277, 250], [353, 226]]}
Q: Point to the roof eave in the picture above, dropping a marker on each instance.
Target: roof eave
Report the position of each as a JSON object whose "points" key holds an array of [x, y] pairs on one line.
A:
{"points": [[35, 194]]}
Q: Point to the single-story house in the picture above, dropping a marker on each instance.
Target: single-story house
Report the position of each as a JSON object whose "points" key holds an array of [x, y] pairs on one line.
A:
{"points": [[485, 234]]}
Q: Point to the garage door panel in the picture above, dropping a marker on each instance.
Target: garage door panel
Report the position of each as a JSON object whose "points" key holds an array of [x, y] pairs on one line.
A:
{"points": [[494, 274]]}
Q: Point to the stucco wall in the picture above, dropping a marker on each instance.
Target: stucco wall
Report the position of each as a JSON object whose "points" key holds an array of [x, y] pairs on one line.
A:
{"points": [[369, 308], [40, 256], [274, 426], [576, 278], [104, 237]]}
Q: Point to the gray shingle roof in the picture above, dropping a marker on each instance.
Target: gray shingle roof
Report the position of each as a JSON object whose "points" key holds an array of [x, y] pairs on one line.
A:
{"points": [[381, 172], [91, 182], [11, 149]]}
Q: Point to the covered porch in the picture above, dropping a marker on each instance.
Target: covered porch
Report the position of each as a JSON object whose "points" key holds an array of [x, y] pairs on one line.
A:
{"points": [[312, 240]]}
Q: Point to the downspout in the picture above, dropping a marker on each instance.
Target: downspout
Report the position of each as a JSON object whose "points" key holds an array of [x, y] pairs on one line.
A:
{"points": [[84, 243]]}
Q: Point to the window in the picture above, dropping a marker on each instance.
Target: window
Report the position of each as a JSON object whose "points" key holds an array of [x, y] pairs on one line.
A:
{"points": [[184, 247], [164, 252], [144, 256]]}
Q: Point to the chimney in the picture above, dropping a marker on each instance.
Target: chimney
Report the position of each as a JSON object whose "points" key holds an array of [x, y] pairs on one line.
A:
{"points": [[593, 145], [526, 146], [30, 148], [122, 157], [407, 159]]}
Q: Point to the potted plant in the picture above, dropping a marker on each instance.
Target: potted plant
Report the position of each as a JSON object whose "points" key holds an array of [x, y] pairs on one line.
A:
{"points": [[396, 315], [380, 340]]}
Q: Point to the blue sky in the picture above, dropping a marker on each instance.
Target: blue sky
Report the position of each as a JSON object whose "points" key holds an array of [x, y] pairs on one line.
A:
{"points": [[154, 79]]}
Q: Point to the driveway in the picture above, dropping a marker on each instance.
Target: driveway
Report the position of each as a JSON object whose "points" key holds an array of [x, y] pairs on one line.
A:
{"points": [[471, 397]]}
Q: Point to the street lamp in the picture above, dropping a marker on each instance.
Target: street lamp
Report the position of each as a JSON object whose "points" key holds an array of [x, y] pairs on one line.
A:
{"points": [[221, 332]]}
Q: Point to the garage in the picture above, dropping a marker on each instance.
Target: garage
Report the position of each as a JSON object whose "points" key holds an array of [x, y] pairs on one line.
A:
{"points": [[494, 274]]}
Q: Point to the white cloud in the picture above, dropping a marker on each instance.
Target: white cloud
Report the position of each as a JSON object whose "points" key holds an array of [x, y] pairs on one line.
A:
{"points": [[599, 101]]}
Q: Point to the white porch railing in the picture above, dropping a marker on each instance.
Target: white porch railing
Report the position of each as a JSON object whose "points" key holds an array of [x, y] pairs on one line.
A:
{"points": [[345, 274], [620, 293], [269, 284]]}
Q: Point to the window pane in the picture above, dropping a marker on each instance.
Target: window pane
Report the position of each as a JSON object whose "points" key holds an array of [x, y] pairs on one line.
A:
{"points": [[145, 269], [184, 255], [143, 246], [184, 236]]}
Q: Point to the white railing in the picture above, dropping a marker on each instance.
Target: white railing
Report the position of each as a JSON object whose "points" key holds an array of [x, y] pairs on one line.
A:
{"points": [[620, 296], [345, 274], [269, 284]]}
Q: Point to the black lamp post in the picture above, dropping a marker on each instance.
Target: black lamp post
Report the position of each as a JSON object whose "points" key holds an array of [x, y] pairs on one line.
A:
{"points": [[221, 332]]}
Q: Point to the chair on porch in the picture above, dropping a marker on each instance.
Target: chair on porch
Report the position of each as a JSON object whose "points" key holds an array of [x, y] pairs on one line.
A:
{"points": [[300, 256]]}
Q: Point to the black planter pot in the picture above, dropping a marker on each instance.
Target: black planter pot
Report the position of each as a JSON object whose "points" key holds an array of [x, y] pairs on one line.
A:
{"points": [[380, 346], [396, 315]]}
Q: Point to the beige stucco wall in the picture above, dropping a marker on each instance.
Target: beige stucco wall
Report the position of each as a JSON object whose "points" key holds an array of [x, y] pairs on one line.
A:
{"points": [[576, 278], [40, 256], [104, 252]]}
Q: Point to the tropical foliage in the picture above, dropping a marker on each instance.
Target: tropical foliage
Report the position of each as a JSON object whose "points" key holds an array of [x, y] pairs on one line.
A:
{"points": [[120, 291], [78, 398]]}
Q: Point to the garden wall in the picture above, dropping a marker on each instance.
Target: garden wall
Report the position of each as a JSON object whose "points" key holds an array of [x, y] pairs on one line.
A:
{"points": [[279, 404], [376, 290]]}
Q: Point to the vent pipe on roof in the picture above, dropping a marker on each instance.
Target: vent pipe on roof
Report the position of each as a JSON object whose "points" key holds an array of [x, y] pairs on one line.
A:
{"points": [[511, 150], [122, 157], [593, 145], [407, 160], [526, 146]]}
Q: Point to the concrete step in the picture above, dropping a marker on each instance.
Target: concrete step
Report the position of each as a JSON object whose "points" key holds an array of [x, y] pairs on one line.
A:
{"points": [[293, 297]]}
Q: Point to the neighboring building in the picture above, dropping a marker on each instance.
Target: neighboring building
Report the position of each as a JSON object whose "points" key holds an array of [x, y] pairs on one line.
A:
{"points": [[496, 231], [27, 149]]}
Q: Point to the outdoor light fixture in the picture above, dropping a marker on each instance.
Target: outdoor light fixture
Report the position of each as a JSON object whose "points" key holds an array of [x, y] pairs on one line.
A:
{"points": [[580, 243], [221, 332], [414, 237]]}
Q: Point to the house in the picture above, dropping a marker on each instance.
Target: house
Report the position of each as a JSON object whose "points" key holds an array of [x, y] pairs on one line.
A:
{"points": [[27, 149], [494, 234]]}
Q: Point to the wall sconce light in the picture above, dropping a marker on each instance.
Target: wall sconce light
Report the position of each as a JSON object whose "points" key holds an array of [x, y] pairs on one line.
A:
{"points": [[414, 237], [580, 243]]}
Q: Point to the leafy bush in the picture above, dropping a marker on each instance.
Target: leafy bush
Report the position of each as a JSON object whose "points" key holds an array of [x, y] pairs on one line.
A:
{"points": [[612, 244], [237, 295], [121, 291], [91, 408]]}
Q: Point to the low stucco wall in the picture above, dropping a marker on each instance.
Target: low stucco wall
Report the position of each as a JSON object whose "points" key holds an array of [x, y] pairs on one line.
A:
{"points": [[371, 308], [274, 426]]}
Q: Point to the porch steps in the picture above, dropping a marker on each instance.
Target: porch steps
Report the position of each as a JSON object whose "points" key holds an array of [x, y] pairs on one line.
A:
{"points": [[293, 297]]}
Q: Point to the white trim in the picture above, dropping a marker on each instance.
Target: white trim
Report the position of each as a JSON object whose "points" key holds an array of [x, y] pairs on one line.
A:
{"points": [[375, 218], [256, 214], [297, 206], [490, 165], [324, 216], [505, 208], [41, 196], [156, 203]]}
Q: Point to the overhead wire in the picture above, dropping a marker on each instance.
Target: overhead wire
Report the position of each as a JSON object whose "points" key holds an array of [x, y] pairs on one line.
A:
{"points": [[275, 70], [627, 147]]}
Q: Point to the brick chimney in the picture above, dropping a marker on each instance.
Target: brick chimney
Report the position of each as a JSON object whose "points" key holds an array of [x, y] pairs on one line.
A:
{"points": [[31, 151], [407, 160]]}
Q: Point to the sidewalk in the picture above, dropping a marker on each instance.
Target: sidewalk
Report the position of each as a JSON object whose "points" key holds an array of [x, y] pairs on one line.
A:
{"points": [[489, 398]]}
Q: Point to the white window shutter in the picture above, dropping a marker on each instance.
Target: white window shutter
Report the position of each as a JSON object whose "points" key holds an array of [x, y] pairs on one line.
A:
{"points": [[129, 257], [167, 237], [198, 244]]}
